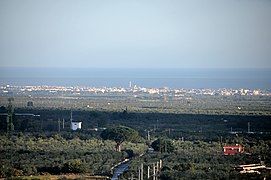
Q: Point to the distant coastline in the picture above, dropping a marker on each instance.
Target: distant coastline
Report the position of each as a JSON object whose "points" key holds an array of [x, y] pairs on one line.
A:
{"points": [[150, 78]]}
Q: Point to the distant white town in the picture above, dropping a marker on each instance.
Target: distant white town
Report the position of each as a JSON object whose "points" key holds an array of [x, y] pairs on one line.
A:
{"points": [[63, 90]]}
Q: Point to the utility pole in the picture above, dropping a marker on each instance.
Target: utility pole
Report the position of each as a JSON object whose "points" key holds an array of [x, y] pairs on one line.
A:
{"points": [[248, 127], [71, 120], [58, 125], [63, 123], [7, 124], [148, 172], [165, 147], [41, 124], [160, 163], [10, 126], [141, 171], [154, 172]]}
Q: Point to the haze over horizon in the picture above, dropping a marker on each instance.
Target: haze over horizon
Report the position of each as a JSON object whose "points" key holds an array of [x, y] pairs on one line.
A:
{"points": [[135, 34]]}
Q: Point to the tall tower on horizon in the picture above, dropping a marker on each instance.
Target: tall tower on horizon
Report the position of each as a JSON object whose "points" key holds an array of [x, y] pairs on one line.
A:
{"points": [[130, 84]]}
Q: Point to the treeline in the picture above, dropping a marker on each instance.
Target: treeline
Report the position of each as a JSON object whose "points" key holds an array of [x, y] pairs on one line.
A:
{"points": [[31, 154], [160, 122]]}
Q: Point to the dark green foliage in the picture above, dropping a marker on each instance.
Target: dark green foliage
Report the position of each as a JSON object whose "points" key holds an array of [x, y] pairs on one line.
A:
{"points": [[190, 126], [129, 153], [29, 170], [31, 154], [201, 160], [119, 134], [75, 167], [182, 167], [102, 123], [163, 145]]}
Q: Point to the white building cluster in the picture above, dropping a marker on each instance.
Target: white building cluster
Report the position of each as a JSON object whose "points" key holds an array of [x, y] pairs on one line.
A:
{"points": [[63, 91]]}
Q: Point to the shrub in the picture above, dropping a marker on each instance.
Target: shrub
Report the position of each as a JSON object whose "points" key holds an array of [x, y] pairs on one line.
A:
{"points": [[75, 167]]}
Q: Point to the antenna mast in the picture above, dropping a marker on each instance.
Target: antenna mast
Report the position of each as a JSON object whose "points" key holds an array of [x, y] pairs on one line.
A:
{"points": [[10, 126], [71, 118], [58, 124], [71, 115]]}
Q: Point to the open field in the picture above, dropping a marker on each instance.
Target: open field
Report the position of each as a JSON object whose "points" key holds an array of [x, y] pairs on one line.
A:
{"points": [[188, 104]]}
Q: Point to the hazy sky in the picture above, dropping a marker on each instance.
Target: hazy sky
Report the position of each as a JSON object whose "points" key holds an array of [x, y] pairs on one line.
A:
{"points": [[126, 33]]}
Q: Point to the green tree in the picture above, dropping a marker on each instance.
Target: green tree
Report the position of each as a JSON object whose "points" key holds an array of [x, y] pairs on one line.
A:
{"points": [[182, 167], [163, 145], [75, 167], [119, 134]]}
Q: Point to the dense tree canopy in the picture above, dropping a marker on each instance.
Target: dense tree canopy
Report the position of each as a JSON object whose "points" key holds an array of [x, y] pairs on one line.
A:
{"points": [[119, 134], [163, 145], [25, 154]]}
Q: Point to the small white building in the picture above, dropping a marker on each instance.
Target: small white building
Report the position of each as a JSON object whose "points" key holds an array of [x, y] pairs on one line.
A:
{"points": [[76, 125]]}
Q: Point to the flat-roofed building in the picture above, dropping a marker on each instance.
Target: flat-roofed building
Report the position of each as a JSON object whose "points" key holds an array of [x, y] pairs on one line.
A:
{"points": [[232, 149]]}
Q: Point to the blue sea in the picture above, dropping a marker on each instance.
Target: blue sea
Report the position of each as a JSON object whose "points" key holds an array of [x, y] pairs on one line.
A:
{"points": [[150, 78]]}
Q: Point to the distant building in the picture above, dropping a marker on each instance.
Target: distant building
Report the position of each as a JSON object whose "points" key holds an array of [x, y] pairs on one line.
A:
{"points": [[232, 149], [75, 125]]}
